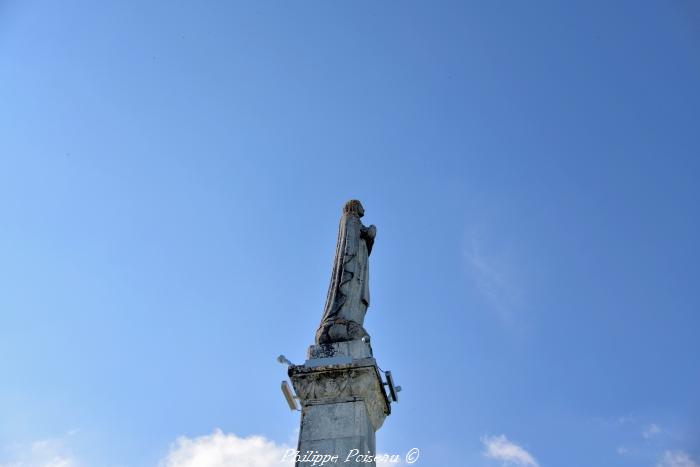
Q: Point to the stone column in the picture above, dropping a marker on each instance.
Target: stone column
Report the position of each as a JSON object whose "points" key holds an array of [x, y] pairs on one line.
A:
{"points": [[343, 402]]}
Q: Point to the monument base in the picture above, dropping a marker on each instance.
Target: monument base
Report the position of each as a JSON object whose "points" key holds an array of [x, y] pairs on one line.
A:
{"points": [[343, 401]]}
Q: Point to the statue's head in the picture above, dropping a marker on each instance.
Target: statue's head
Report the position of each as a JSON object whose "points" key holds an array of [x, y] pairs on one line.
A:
{"points": [[355, 207]]}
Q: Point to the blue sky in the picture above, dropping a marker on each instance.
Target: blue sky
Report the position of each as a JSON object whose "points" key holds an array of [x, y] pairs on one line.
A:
{"points": [[171, 178]]}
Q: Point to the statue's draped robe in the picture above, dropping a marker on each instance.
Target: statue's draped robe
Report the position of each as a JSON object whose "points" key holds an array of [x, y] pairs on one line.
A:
{"points": [[348, 292]]}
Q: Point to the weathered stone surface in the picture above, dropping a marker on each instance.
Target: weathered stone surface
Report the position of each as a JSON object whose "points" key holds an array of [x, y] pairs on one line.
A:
{"points": [[342, 407], [345, 419], [354, 349], [348, 292], [337, 429], [330, 384]]}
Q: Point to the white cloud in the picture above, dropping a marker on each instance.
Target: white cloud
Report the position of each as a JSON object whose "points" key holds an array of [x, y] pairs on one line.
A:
{"points": [[44, 453], [626, 419], [215, 450], [677, 459], [500, 448], [650, 431], [226, 450]]}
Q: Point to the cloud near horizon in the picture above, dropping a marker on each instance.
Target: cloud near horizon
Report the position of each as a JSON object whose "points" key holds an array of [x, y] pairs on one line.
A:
{"points": [[43, 453], [214, 450], [226, 450], [229, 450], [677, 459], [500, 448]]}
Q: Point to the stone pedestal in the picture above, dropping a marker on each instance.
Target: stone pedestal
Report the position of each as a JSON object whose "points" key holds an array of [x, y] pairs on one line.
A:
{"points": [[343, 402]]}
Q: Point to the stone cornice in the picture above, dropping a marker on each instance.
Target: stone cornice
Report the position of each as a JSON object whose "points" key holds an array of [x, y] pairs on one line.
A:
{"points": [[329, 384]]}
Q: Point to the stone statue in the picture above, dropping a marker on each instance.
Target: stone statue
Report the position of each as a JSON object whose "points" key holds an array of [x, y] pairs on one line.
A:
{"points": [[348, 293]]}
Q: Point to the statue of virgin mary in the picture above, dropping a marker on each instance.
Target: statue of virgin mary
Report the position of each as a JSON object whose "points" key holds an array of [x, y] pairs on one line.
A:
{"points": [[348, 292]]}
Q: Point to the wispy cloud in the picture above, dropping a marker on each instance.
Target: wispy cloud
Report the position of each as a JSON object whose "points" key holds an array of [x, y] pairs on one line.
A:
{"points": [[226, 450], [500, 448], [44, 453], [677, 459], [651, 430], [627, 419], [492, 275]]}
